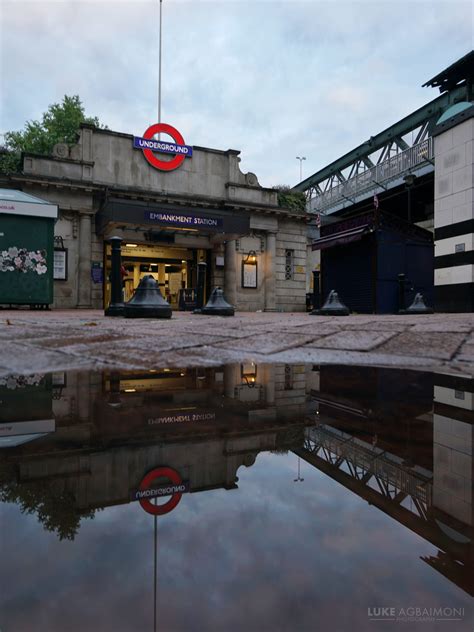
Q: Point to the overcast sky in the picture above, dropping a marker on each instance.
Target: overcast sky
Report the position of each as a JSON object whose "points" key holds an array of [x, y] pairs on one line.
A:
{"points": [[274, 79]]}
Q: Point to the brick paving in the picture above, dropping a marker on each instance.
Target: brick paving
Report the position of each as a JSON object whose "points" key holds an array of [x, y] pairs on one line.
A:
{"points": [[60, 340]]}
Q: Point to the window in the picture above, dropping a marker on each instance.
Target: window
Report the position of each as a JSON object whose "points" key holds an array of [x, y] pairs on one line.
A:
{"points": [[289, 264]]}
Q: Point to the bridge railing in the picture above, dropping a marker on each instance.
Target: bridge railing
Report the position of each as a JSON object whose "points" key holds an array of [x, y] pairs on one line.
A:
{"points": [[373, 461], [389, 169]]}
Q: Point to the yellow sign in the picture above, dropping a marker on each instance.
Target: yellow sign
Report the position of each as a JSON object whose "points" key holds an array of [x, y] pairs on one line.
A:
{"points": [[300, 269]]}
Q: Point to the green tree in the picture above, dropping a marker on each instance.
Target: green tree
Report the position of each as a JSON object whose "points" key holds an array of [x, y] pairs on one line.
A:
{"points": [[55, 510], [59, 124], [288, 198]]}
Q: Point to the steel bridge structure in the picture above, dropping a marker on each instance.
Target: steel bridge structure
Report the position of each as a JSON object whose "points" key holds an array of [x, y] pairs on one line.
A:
{"points": [[382, 162], [402, 492]]}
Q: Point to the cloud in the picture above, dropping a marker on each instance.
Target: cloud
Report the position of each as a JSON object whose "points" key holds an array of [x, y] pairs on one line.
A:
{"points": [[273, 79]]}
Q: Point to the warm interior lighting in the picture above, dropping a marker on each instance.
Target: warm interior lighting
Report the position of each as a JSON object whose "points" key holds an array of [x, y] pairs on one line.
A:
{"points": [[131, 245], [248, 374], [166, 370], [130, 390]]}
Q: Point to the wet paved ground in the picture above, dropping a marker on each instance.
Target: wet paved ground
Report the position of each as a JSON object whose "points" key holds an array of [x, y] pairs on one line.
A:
{"points": [[59, 340], [334, 498]]}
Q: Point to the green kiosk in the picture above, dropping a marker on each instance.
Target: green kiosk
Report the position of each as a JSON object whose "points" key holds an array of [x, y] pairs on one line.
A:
{"points": [[26, 249]]}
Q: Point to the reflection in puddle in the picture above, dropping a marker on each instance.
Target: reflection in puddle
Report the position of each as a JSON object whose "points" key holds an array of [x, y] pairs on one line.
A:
{"points": [[75, 446]]}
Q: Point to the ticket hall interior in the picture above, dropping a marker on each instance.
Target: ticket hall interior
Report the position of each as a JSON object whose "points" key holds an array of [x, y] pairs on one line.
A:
{"points": [[174, 268]]}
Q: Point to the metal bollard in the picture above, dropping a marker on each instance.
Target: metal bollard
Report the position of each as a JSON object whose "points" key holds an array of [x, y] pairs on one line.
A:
{"points": [[116, 306], [401, 292], [316, 291], [201, 285]]}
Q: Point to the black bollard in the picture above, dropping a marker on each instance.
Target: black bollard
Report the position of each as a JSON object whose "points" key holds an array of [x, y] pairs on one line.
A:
{"points": [[401, 292], [147, 301], [115, 307], [316, 293], [217, 305], [332, 307], [418, 306], [201, 284], [114, 397]]}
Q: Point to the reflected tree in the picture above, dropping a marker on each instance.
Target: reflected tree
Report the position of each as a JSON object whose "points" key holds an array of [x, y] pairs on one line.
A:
{"points": [[56, 511]]}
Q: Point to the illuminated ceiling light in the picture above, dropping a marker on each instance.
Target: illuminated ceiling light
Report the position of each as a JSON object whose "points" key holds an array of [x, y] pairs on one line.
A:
{"points": [[131, 245], [130, 390]]}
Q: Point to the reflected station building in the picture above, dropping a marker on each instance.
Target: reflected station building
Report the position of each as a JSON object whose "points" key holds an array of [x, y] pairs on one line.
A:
{"points": [[401, 440]]}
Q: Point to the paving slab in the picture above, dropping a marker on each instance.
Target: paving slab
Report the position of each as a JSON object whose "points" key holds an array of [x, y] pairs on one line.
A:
{"points": [[354, 340], [267, 343], [68, 339], [424, 344]]}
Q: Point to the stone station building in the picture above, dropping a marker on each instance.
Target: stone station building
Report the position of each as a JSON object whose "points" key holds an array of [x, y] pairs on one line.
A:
{"points": [[204, 210]]}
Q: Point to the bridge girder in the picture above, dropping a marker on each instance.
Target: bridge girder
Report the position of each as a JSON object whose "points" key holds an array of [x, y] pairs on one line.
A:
{"points": [[333, 183]]}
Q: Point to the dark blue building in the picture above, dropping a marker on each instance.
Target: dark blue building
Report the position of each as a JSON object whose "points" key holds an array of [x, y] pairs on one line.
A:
{"points": [[362, 256]]}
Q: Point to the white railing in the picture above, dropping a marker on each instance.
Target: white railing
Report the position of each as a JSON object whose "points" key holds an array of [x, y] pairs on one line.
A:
{"points": [[372, 461], [389, 169]]}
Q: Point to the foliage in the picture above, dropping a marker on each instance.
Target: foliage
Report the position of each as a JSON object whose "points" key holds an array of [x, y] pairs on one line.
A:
{"points": [[59, 124], [55, 510], [295, 201]]}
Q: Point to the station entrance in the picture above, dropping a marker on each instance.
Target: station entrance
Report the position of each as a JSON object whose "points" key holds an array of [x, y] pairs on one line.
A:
{"points": [[174, 268]]}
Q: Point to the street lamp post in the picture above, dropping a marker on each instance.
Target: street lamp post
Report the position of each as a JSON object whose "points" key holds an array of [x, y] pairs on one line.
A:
{"points": [[301, 165], [159, 64], [298, 479]]}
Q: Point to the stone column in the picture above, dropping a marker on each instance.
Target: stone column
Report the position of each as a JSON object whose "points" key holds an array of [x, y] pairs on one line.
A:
{"points": [[231, 379], [230, 272], [269, 373], [85, 257], [270, 273]]}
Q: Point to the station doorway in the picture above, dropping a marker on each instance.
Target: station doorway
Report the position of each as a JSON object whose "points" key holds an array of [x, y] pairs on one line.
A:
{"points": [[174, 268]]}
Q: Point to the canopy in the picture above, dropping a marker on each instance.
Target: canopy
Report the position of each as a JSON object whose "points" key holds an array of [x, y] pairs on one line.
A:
{"points": [[343, 237], [16, 202]]}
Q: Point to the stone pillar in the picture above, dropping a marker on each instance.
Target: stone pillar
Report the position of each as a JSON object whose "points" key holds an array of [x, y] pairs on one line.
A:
{"points": [[270, 273], [85, 258], [269, 373], [231, 379], [230, 272], [454, 211]]}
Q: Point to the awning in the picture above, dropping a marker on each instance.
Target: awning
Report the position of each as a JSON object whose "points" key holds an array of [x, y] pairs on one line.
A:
{"points": [[166, 216], [16, 202], [343, 237]]}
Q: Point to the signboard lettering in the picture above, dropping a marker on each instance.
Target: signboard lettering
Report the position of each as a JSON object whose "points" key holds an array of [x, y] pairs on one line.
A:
{"points": [[179, 219]]}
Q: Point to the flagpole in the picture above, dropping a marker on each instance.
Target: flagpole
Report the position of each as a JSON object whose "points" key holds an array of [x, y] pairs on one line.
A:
{"points": [[159, 64]]}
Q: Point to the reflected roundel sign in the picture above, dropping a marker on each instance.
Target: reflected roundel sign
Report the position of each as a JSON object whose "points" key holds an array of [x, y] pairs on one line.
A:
{"points": [[164, 165], [175, 487]]}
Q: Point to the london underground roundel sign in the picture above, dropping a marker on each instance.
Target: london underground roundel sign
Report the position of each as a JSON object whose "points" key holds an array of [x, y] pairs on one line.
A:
{"points": [[174, 488], [151, 146]]}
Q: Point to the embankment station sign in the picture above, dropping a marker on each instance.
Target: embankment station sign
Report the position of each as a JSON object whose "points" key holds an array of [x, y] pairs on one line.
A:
{"points": [[182, 220], [150, 146]]}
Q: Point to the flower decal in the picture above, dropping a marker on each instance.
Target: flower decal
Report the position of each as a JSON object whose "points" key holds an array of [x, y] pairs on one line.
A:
{"points": [[13, 382], [23, 260]]}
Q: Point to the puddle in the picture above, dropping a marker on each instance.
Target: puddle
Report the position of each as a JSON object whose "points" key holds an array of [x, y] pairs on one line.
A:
{"points": [[243, 497]]}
